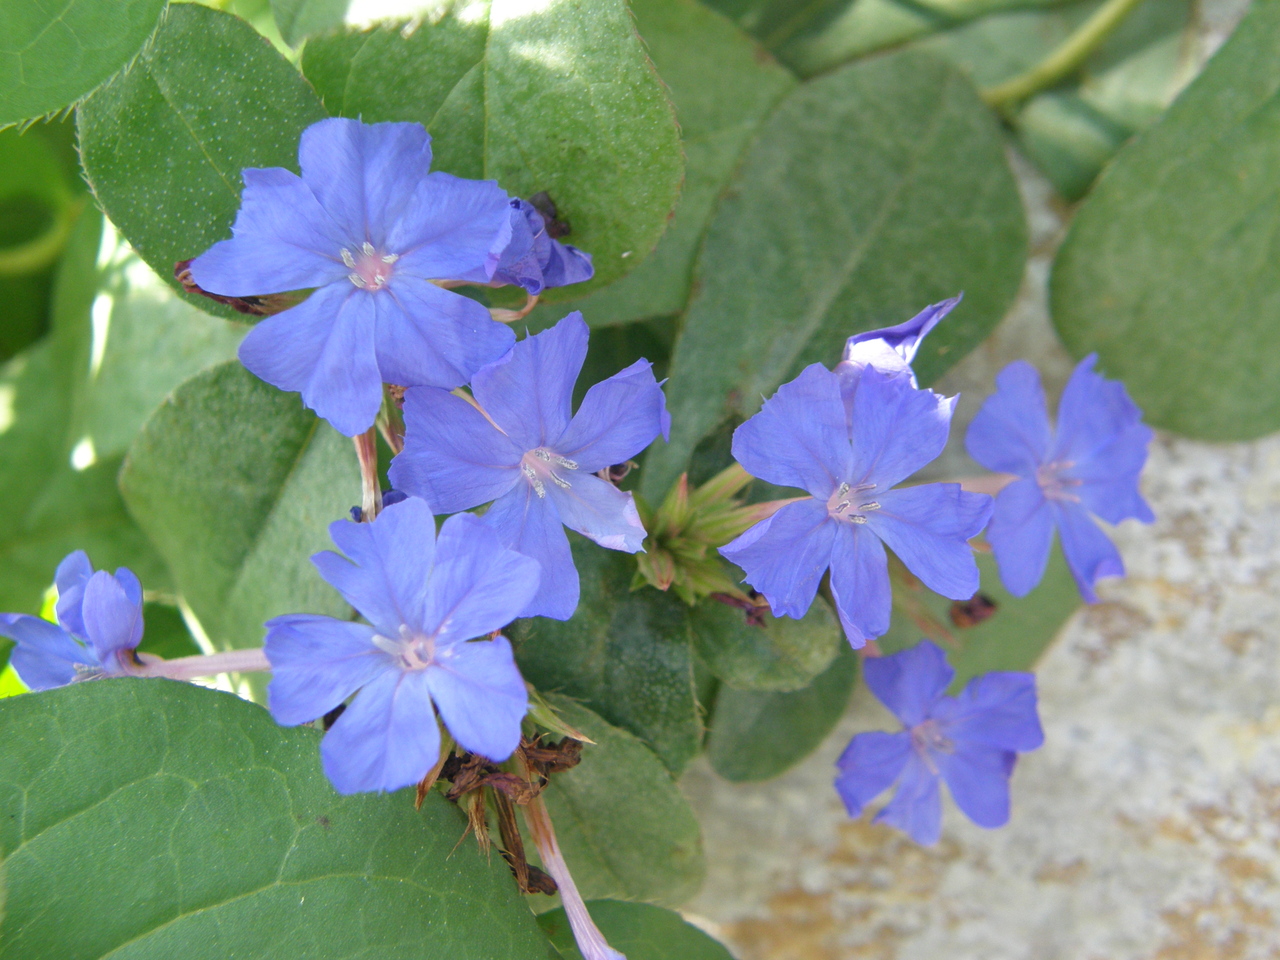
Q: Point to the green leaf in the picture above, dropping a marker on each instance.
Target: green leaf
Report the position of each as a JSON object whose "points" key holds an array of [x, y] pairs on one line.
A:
{"points": [[51, 54], [1013, 638], [556, 96], [778, 654], [299, 19], [625, 655], [1168, 271], [163, 144], [166, 634], [870, 193], [756, 735], [236, 483], [626, 830], [147, 819], [723, 85], [639, 930]]}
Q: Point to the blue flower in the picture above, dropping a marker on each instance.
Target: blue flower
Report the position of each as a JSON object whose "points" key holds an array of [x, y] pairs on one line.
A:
{"points": [[520, 447], [849, 461], [370, 229], [971, 741], [1090, 466], [534, 260], [99, 626], [425, 600], [890, 349]]}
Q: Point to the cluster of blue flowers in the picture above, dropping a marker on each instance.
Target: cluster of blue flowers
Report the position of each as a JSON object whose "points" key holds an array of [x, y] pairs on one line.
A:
{"points": [[380, 242]]}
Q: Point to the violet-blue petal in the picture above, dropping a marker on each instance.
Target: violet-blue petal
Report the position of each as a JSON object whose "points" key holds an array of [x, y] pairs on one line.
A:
{"points": [[282, 240], [916, 807], [1090, 553], [324, 349], [978, 780], [785, 555], [799, 438], [316, 663], [929, 527], [565, 264], [130, 584], [386, 739], [869, 766], [1109, 479], [896, 429], [910, 681], [1011, 432], [452, 229], [45, 655], [390, 560], [519, 264], [477, 584], [70, 579], [599, 511], [996, 709], [905, 338], [364, 174], [529, 391], [453, 457], [530, 525], [617, 419], [113, 622], [427, 336], [1021, 535], [480, 695], [1092, 411], [860, 584]]}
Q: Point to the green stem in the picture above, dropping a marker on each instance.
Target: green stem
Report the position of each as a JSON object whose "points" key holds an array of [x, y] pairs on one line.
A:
{"points": [[1065, 60]]}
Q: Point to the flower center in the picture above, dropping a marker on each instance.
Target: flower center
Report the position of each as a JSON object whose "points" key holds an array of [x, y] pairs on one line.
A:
{"points": [[848, 504], [412, 651], [928, 738], [539, 466], [1055, 486], [370, 268]]}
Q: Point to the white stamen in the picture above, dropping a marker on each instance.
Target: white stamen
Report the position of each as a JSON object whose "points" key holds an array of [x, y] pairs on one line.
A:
{"points": [[559, 481], [844, 488], [538, 487], [390, 257], [566, 462], [869, 506], [348, 259], [543, 455], [357, 280], [842, 506], [367, 249], [857, 518]]}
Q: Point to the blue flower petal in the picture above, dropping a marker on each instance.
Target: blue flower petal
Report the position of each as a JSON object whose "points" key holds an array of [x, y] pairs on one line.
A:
{"points": [[529, 392], [910, 681], [130, 584], [452, 229], [860, 584], [916, 807], [1011, 432], [869, 766], [530, 525], [996, 710], [1092, 412], [480, 695], [785, 556], [316, 663], [477, 585], [1109, 484], [904, 339], [426, 336], [799, 438], [364, 174], [386, 739], [929, 527], [535, 261], [113, 622], [45, 655], [1090, 553], [617, 419], [324, 349], [386, 577], [1021, 534], [453, 457], [896, 429], [71, 578], [978, 779], [599, 511]]}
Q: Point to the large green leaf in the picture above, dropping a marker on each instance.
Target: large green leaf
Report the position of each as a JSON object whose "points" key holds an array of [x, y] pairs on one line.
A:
{"points": [[755, 735], [1168, 272], [722, 85], [869, 193], [51, 54], [556, 96], [236, 484], [625, 655], [778, 653], [639, 930], [163, 144], [626, 830], [299, 19], [147, 820]]}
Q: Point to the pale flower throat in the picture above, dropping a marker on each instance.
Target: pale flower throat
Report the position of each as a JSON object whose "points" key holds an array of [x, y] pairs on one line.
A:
{"points": [[1053, 485], [370, 269], [413, 651], [848, 504], [539, 466]]}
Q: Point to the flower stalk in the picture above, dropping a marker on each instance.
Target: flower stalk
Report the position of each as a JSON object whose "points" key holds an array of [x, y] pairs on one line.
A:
{"points": [[210, 665]]}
